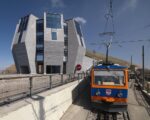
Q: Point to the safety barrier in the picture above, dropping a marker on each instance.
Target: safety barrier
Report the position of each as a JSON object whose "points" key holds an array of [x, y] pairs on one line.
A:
{"points": [[17, 87]]}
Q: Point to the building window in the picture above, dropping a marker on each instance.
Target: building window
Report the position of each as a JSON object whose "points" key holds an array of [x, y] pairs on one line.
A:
{"points": [[39, 57], [39, 33], [39, 25], [65, 52], [53, 20], [22, 26], [40, 39], [20, 37], [81, 41], [54, 35], [23, 23], [66, 30], [66, 42], [78, 29]]}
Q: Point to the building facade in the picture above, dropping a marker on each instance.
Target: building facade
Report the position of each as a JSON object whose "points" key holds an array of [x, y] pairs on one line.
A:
{"points": [[47, 45]]}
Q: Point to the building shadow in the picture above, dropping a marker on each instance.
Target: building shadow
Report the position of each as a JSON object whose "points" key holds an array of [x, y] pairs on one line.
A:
{"points": [[81, 94]]}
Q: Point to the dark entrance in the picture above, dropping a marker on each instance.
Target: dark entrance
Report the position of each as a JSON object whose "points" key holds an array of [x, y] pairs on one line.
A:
{"points": [[64, 67], [51, 69], [40, 68], [24, 70]]}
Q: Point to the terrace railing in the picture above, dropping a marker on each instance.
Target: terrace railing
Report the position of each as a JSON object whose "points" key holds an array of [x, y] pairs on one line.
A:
{"points": [[17, 87]]}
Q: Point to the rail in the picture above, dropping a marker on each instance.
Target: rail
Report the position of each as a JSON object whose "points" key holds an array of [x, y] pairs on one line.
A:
{"points": [[16, 87], [99, 115]]}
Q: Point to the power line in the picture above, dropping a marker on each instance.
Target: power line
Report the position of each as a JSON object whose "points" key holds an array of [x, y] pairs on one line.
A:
{"points": [[122, 42]]}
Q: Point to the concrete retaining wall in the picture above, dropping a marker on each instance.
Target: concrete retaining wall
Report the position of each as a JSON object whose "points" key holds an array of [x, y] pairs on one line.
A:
{"points": [[49, 105]]}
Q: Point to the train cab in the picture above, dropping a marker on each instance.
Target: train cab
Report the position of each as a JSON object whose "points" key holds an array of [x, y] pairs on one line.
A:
{"points": [[109, 87]]}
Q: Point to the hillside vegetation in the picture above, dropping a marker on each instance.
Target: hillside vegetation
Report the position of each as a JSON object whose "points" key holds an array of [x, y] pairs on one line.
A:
{"points": [[100, 56], [9, 70]]}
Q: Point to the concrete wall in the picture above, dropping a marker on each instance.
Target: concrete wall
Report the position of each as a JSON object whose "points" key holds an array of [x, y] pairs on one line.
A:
{"points": [[53, 52], [20, 56], [30, 42], [24, 52], [53, 49], [76, 52], [50, 105]]}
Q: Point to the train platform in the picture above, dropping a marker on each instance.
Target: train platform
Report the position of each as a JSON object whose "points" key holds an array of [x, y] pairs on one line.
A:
{"points": [[80, 110], [137, 107]]}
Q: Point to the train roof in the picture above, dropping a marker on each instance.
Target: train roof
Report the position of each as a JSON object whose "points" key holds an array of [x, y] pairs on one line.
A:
{"points": [[112, 66]]}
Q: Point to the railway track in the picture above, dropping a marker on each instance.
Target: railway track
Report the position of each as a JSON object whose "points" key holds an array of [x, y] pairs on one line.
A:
{"points": [[98, 115], [141, 99]]}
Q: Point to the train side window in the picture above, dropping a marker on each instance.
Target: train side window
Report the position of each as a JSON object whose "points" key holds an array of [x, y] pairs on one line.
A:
{"points": [[98, 80]]}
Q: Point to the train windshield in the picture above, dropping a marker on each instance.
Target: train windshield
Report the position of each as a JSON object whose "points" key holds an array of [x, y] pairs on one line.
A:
{"points": [[109, 78]]}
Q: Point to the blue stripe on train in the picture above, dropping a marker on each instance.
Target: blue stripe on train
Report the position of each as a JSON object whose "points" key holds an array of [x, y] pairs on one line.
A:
{"points": [[109, 67], [114, 92]]}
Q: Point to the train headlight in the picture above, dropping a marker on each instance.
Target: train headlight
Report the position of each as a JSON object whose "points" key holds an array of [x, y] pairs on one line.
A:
{"points": [[98, 93], [120, 94]]}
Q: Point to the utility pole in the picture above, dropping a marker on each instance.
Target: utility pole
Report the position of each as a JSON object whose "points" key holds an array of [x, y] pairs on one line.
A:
{"points": [[107, 47], [131, 67], [143, 76], [94, 57], [107, 50], [131, 60]]}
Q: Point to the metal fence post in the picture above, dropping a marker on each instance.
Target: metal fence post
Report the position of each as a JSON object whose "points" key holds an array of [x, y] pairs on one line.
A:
{"points": [[78, 76], [50, 81], [61, 78], [31, 85], [69, 77], [84, 75]]}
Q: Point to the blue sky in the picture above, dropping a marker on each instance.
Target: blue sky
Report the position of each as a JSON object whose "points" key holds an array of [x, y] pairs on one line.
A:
{"points": [[131, 18]]}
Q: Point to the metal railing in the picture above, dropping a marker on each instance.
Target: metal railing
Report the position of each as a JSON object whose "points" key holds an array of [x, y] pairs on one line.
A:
{"points": [[143, 85], [14, 88]]}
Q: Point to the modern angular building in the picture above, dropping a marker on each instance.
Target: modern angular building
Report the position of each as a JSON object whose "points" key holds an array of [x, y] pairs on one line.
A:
{"points": [[47, 45]]}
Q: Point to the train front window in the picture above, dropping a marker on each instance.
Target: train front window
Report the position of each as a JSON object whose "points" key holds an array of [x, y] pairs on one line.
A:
{"points": [[109, 78]]}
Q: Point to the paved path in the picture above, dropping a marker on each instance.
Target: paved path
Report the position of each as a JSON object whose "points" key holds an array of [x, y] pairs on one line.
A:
{"points": [[80, 109]]}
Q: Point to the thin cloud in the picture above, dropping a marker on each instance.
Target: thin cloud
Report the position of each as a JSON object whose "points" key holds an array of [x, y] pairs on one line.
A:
{"points": [[129, 4], [57, 4], [133, 4], [147, 26], [81, 20]]}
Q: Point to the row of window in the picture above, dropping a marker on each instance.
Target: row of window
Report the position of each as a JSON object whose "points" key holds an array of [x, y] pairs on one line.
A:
{"points": [[22, 26], [78, 28], [40, 40], [40, 25], [79, 31], [23, 23], [50, 23]]}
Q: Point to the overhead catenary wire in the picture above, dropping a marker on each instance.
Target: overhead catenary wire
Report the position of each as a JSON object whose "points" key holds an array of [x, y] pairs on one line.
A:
{"points": [[120, 42]]}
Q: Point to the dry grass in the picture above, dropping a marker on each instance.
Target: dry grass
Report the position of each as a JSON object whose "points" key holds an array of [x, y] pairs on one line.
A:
{"points": [[10, 70], [100, 56]]}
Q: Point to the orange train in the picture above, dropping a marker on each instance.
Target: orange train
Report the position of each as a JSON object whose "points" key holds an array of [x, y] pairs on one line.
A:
{"points": [[109, 87]]}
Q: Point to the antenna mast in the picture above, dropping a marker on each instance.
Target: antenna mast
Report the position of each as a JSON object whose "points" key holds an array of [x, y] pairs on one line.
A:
{"points": [[108, 17]]}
